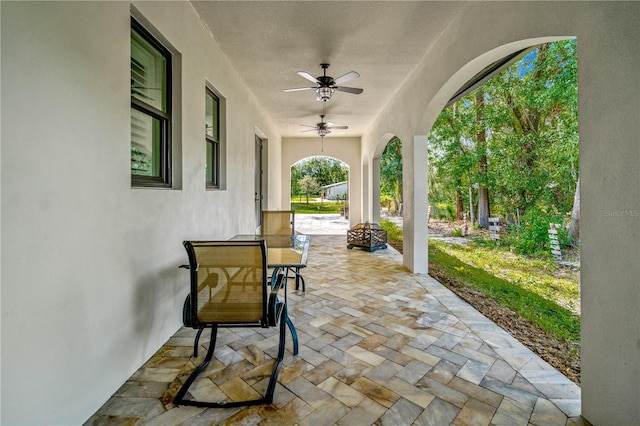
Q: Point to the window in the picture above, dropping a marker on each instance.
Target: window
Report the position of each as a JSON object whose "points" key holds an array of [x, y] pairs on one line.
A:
{"points": [[150, 110], [212, 139]]}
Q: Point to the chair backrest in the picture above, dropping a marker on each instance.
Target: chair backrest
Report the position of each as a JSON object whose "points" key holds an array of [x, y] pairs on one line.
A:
{"points": [[280, 222], [228, 282]]}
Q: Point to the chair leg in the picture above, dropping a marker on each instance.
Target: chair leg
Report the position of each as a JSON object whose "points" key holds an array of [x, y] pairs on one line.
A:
{"points": [[195, 344], [271, 387], [273, 379], [299, 278], [179, 398], [294, 334]]}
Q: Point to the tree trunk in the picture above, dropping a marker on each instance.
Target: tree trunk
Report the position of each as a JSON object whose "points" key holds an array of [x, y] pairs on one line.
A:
{"points": [[481, 140], [574, 226], [483, 207], [399, 196], [459, 205]]}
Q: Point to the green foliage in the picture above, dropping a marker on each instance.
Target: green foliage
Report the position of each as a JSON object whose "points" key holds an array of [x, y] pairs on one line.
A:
{"points": [[386, 201], [533, 237], [443, 210], [391, 172], [309, 186], [140, 163], [528, 116], [527, 287], [323, 170]]}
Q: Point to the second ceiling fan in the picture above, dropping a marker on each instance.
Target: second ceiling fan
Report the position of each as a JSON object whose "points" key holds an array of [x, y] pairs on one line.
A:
{"points": [[323, 128], [327, 85]]}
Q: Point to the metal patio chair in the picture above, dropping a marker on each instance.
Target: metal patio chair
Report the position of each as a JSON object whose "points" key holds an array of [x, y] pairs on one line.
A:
{"points": [[282, 222], [229, 287]]}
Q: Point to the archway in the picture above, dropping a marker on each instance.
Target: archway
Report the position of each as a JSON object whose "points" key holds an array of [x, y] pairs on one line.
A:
{"points": [[320, 195], [345, 150], [608, 157], [376, 175], [515, 137]]}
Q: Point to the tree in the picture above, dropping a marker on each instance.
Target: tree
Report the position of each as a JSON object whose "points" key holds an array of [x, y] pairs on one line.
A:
{"points": [[391, 172], [324, 170], [483, 167], [516, 137], [309, 185], [452, 156], [574, 226]]}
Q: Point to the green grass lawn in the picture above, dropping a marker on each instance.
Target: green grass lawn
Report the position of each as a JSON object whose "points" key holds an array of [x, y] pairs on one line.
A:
{"points": [[394, 234], [541, 276], [522, 288], [536, 289], [325, 207]]}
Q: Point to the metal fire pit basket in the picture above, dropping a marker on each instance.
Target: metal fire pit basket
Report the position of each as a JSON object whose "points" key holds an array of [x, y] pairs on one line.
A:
{"points": [[369, 236]]}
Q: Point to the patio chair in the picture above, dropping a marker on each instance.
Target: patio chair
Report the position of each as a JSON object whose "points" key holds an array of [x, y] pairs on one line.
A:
{"points": [[229, 288], [282, 222], [278, 222]]}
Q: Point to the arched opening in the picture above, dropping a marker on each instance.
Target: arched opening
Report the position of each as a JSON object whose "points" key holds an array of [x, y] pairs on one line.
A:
{"points": [[503, 172], [320, 189], [389, 206], [376, 175]]}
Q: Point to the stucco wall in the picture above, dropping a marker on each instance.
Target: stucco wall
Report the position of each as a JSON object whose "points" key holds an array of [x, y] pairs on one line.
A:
{"points": [[609, 125], [90, 285]]}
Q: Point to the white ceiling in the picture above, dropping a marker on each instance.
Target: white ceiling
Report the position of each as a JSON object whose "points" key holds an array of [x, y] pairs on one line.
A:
{"points": [[269, 41]]}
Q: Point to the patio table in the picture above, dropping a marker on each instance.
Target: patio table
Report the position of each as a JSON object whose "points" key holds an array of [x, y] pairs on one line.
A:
{"points": [[283, 253]]}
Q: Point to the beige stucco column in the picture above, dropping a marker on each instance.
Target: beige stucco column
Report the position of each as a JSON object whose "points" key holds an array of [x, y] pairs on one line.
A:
{"points": [[415, 209]]}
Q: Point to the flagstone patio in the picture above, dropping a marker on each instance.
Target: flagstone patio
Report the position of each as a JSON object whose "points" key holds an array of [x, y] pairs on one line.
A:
{"points": [[378, 345]]}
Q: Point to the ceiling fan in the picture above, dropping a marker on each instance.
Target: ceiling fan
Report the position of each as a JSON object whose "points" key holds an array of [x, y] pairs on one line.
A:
{"points": [[323, 128], [326, 85]]}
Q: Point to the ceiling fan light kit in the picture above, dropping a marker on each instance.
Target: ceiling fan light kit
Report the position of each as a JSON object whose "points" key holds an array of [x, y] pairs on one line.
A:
{"points": [[324, 93]]}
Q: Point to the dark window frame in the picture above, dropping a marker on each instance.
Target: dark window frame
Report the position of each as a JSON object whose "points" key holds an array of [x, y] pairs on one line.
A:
{"points": [[215, 144], [164, 179]]}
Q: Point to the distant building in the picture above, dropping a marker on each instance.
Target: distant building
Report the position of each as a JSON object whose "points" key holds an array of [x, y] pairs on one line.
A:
{"points": [[335, 190]]}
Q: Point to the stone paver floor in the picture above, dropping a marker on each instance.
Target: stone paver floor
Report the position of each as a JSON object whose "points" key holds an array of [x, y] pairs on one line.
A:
{"points": [[378, 345]]}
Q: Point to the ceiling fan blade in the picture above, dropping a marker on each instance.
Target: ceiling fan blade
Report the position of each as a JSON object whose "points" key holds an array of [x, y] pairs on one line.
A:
{"points": [[306, 125], [308, 76], [353, 90], [339, 127], [297, 89], [310, 130], [352, 75]]}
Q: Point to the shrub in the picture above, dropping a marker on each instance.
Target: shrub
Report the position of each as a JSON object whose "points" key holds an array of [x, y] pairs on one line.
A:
{"points": [[444, 211], [534, 232]]}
